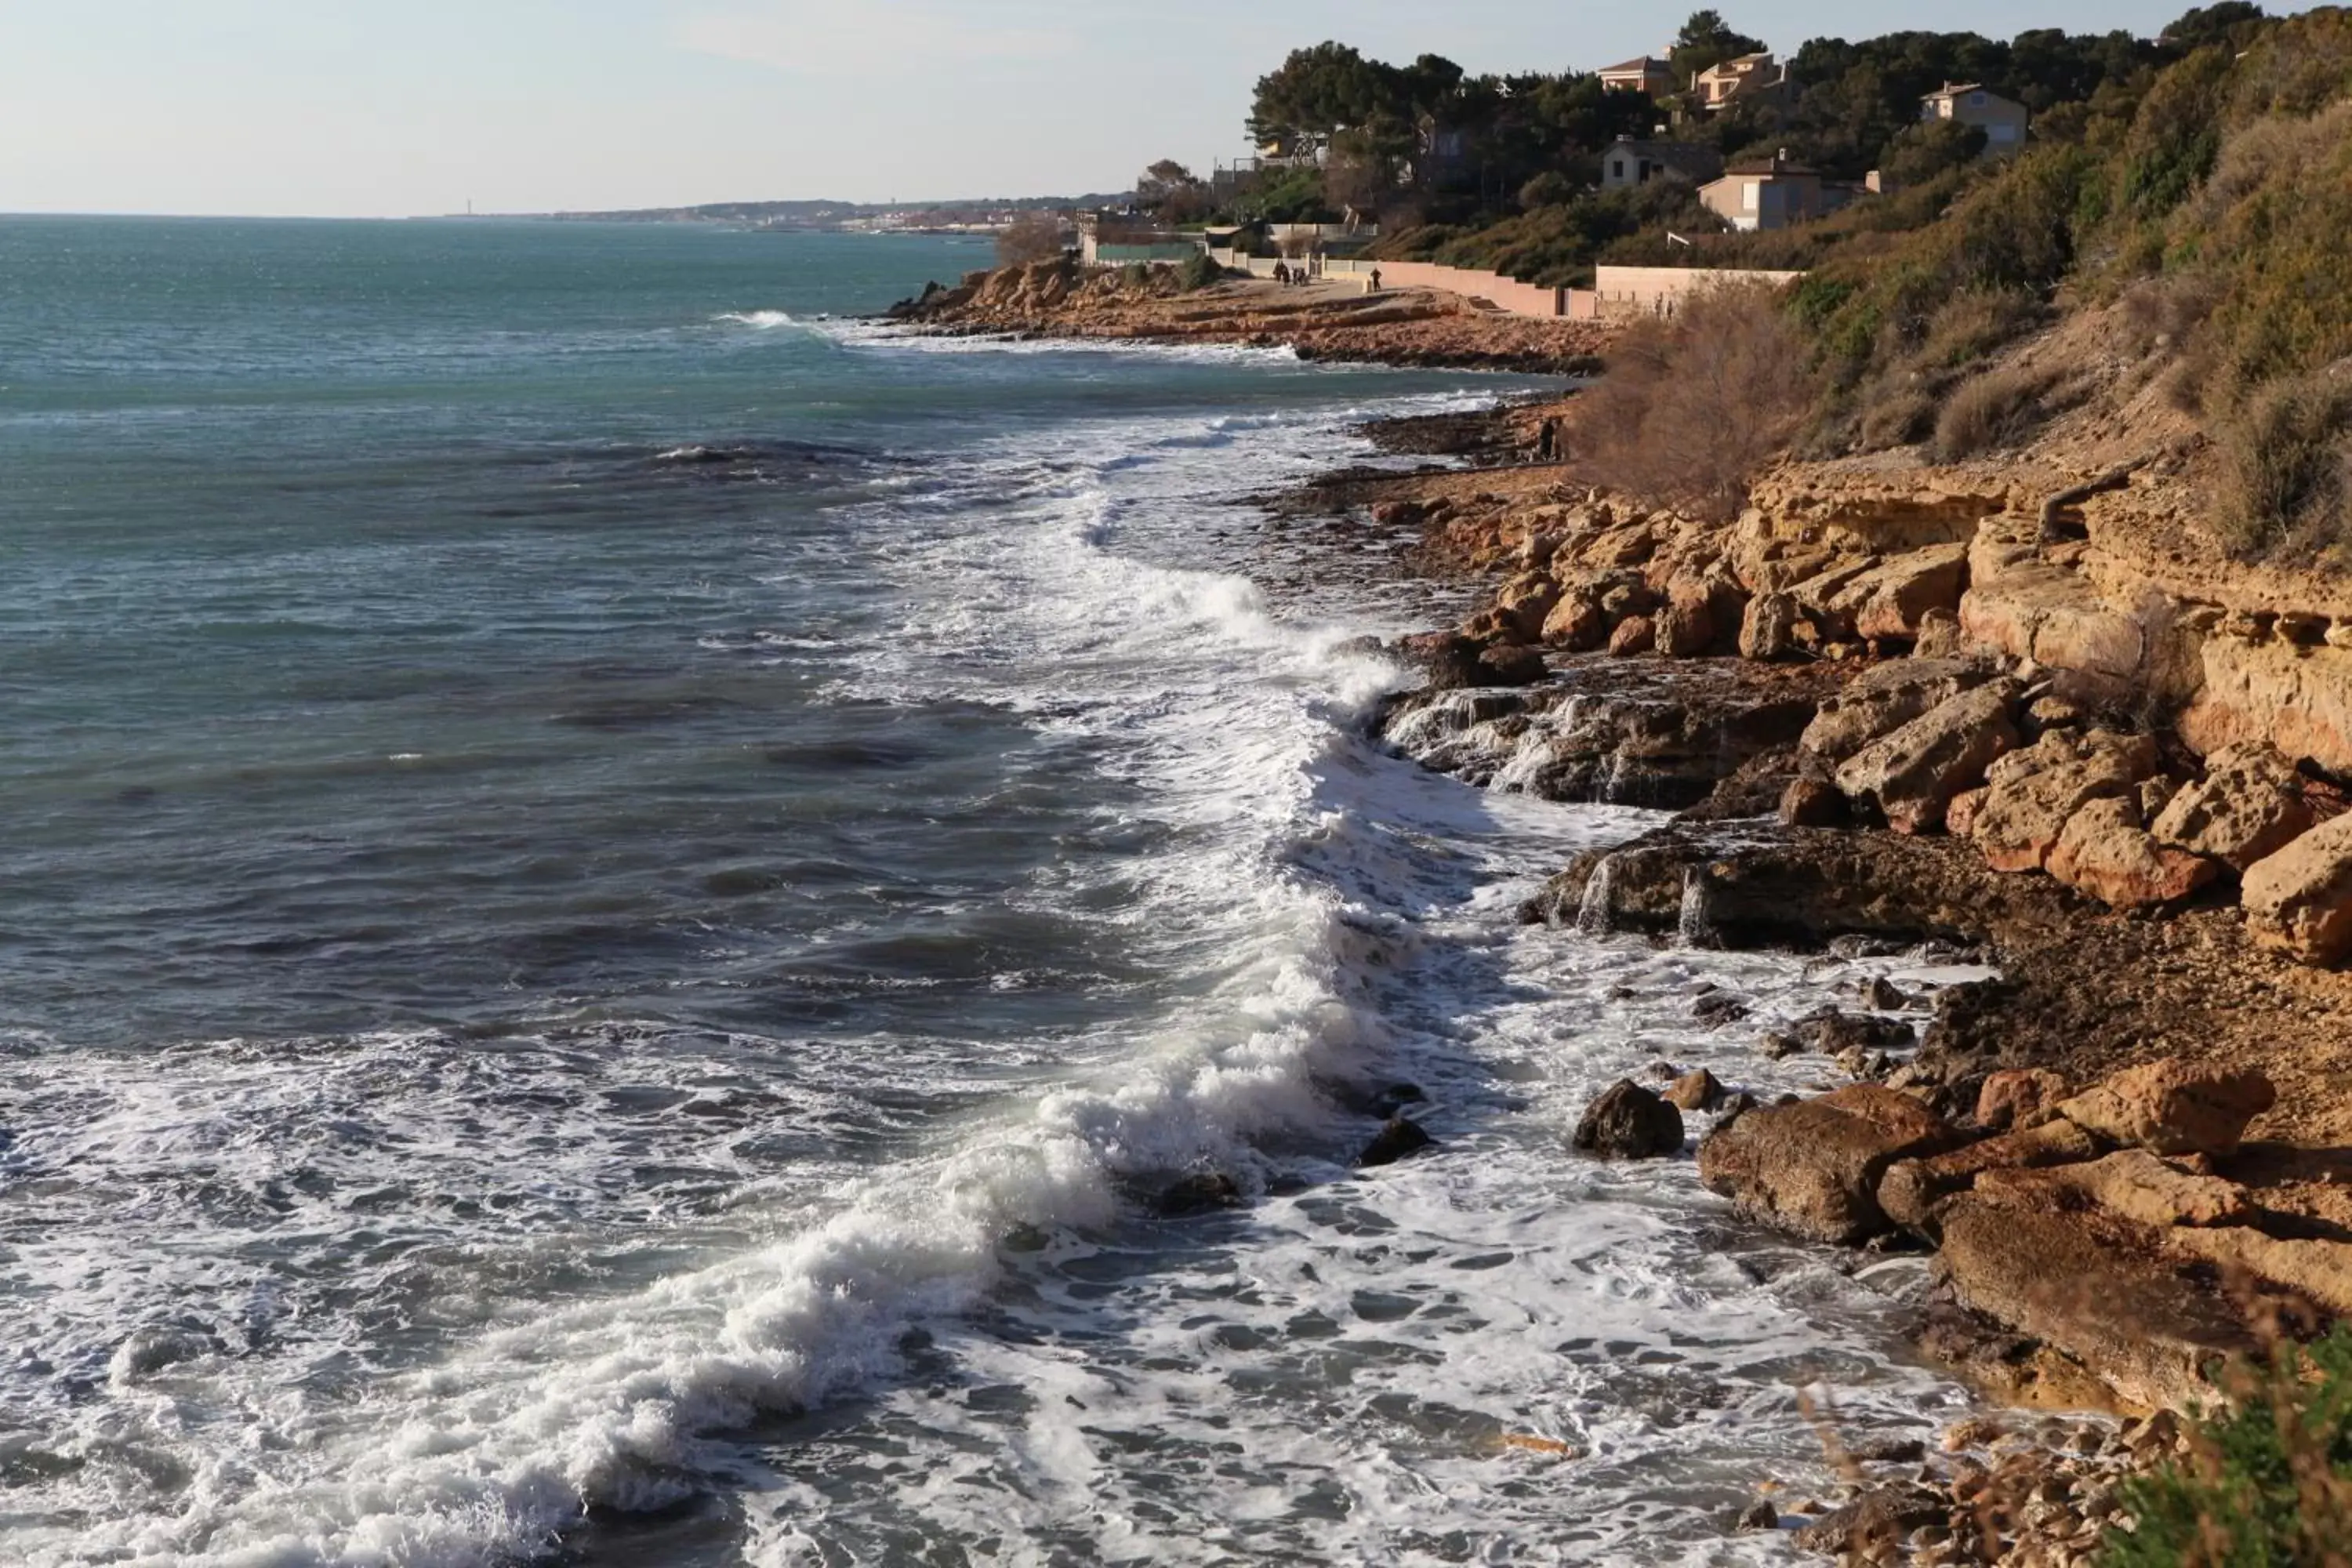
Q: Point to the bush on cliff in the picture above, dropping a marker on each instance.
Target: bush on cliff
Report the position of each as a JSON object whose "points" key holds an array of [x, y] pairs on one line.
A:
{"points": [[2267, 1484], [1692, 407]]}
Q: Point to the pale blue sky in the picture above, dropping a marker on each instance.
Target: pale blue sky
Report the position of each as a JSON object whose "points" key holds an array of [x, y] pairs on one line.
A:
{"points": [[396, 107]]}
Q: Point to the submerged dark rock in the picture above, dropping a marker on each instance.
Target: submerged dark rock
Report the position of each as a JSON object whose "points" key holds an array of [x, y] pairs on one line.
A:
{"points": [[1400, 1137], [1205, 1193]]}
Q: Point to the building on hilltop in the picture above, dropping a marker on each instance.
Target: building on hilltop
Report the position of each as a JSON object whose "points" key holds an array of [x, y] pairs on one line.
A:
{"points": [[1644, 73], [1773, 193], [2004, 120], [1629, 161], [1750, 79]]}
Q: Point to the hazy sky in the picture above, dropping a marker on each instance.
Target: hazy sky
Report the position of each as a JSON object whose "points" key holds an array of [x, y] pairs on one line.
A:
{"points": [[396, 107]]}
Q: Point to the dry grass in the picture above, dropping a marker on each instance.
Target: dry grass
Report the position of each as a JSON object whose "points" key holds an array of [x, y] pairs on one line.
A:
{"points": [[2287, 469], [2000, 408], [1692, 408]]}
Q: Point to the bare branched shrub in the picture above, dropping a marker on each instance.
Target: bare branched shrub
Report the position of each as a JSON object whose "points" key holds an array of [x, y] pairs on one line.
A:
{"points": [[1999, 408], [1693, 406], [1975, 322], [2284, 456], [1032, 237], [2164, 312], [1895, 410]]}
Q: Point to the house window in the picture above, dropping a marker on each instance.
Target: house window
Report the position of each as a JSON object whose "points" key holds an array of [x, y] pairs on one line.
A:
{"points": [[1747, 194], [2001, 133], [1976, 101], [1617, 168]]}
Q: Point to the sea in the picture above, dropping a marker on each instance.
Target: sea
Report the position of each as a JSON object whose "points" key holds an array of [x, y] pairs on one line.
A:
{"points": [[620, 890]]}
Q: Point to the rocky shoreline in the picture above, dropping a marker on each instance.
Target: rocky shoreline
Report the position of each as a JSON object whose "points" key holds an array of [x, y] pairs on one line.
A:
{"points": [[1334, 323], [1881, 720]]}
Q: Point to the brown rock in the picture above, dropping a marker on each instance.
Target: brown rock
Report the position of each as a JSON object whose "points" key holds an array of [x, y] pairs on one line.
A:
{"points": [[2034, 793], [2300, 898], [1813, 1167], [2273, 693], [1895, 598], [1629, 1123], [1525, 602], [2099, 1289], [2104, 853], [1634, 634], [1400, 1137], [1577, 622], [1812, 802], [1685, 628], [1961, 816], [2320, 1272], [2020, 1099], [1695, 1090], [1884, 700], [2173, 1107], [1768, 630], [1911, 1189], [1512, 664], [1874, 1523], [1914, 772], [1940, 636], [2132, 1182]]}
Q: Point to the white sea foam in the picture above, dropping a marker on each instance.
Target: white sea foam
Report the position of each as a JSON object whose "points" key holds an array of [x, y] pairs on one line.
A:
{"points": [[764, 320]]}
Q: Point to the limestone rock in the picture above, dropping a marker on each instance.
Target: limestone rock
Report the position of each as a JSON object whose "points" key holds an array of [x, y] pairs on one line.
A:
{"points": [[1893, 599], [2173, 1107], [1813, 1167], [2273, 693], [1914, 772], [1634, 634], [1201, 1193], [1911, 1189], [1769, 628], [2321, 1271], [1525, 602], [2096, 1288], [2132, 1182], [1512, 664], [1812, 803], [2034, 793], [1884, 700], [2301, 898], [2104, 853], [1685, 628], [1629, 1123], [2020, 1099], [1873, 1524], [1577, 622], [1940, 636]]}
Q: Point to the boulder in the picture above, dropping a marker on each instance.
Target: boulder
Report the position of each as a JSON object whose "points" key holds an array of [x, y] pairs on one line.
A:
{"points": [[1940, 636], [2097, 1289], [1577, 622], [1768, 630], [1894, 599], [1911, 1189], [1914, 774], [1812, 803], [2173, 1107], [2132, 1182], [1884, 700], [1695, 1090], [1523, 604], [2300, 898], [1961, 816], [1629, 1123], [2104, 853], [1873, 1524], [1634, 634], [1813, 1167], [1401, 1136], [2020, 1099], [1512, 664], [1685, 628], [2318, 1270], [1203, 1194], [2033, 793]]}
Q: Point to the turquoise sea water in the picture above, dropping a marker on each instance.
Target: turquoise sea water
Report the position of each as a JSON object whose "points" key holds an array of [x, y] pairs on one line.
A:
{"points": [[619, 886]]}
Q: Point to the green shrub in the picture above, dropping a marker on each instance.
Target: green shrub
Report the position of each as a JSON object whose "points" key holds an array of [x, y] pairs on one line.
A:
{"points": [[1199, 273], [2265, 1485]]}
